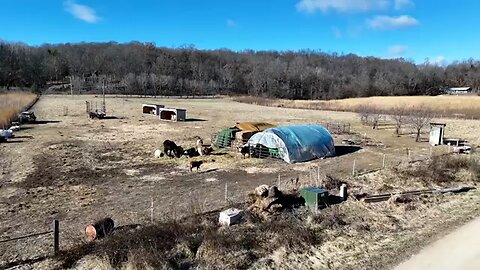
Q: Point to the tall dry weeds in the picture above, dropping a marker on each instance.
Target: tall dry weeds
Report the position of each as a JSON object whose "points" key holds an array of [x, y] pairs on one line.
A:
{"points": [[463, 107], [12, 103]]}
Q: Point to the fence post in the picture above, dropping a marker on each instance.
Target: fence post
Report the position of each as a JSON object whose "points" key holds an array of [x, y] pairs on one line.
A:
{"points": [[226, 192], [318, 174], [56, 237], [383, 162], [353, 168]]}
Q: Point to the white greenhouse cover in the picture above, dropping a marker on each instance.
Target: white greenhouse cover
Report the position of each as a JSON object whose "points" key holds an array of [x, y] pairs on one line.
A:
{"points": [[297, 143]]}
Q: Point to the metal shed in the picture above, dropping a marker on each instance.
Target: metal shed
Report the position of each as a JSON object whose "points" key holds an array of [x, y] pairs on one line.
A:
{"points": [[172, 114], [437, 131]]}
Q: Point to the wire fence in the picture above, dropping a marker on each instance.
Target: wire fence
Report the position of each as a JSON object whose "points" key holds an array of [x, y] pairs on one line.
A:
{"points": [[212, 195]]}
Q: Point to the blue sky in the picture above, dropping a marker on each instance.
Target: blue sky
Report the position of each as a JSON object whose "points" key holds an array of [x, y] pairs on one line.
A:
{"points": [[441, 30]]}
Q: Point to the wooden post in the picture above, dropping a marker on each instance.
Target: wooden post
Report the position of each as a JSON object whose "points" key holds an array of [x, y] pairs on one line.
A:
{"points": [[353, 168], [318, 175], [383, 162], [71, 86], [56, 237], [226, 192]]}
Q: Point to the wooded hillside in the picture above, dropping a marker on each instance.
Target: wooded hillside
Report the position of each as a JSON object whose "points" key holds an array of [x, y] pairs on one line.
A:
{"points": [[143, 68]]}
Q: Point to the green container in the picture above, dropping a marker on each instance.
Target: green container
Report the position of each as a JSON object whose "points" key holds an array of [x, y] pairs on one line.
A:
{"points": [[314, 196]]}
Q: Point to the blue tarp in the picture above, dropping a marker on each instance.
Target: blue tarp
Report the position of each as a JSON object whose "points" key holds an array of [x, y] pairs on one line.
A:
{"points": [[297, 143]]}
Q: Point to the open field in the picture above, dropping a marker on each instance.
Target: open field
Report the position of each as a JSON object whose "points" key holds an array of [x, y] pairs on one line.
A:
{"points": [[467, 107], [12, 103], [78, 170]]}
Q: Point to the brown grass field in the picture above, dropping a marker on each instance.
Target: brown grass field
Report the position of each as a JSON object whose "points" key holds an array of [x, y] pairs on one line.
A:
{"points": [[467, 107], [12, 103], [77, 170]]}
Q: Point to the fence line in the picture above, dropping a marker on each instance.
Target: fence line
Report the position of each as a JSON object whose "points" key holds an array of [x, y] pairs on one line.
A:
{"points": [[55, 232]]}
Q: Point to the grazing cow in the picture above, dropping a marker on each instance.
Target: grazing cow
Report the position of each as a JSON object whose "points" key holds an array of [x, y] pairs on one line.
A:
{"points": [[195, 164], [191, 152], [178, 152], [169, 148], [207, 150], [244, 150]]}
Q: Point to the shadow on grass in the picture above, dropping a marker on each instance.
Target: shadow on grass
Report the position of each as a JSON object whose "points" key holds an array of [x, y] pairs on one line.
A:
{"points": [[341, 150], [23, 262], [43, 122], [195, 120]]}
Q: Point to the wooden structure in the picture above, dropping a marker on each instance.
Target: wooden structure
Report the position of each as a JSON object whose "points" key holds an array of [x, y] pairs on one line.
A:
{"points": [[172, 114], [152, 108], [437, 131], [314, 196]]}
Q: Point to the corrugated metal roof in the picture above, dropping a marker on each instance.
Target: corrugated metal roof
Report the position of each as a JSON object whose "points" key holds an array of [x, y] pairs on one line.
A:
{"points": [[459, 88], [254, 126]]}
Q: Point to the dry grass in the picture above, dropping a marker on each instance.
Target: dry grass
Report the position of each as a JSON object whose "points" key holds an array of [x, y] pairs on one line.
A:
{"points": [[13, 103], [443, 106]]}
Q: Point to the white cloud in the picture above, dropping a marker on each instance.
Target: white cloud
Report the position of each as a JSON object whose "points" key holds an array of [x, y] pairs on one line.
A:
{"points": [[439, 61], [231, 23], [337, 32], [390, 23], [397, 50], [403, 4], [311, 6], [82, 12]]}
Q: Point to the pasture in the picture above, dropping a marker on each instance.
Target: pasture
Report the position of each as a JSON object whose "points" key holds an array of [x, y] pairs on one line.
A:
{"points": [[461, 107], [79, 170]]}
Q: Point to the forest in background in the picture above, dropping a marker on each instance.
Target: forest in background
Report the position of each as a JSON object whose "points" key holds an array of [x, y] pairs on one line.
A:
{"points": [[145, 69]]}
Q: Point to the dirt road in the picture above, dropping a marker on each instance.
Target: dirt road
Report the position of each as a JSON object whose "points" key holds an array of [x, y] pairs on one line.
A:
{"points": [[458, 250]]}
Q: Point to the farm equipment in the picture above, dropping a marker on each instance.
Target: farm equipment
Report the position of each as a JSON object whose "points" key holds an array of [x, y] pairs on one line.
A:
{"points": [[27, 117]]}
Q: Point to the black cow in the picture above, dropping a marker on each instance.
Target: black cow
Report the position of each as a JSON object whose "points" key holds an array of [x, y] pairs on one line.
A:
{"points": [[191, 152], [169, 148], [244, 150]]}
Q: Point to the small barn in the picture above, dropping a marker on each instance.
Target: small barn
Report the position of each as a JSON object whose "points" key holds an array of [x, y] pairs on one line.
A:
{"points": [[152, 108], [459, 91], [294, 143], [240, 133], [172, 114]]}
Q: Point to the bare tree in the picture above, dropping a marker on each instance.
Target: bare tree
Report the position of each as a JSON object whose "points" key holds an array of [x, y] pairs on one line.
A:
{"points": [[376, 116], [399, 116], [369, 116], [419, 118], [364, 113]]}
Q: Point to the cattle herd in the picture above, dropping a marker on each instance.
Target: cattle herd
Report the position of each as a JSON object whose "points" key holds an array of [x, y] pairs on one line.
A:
{"points": [[171, 149]]}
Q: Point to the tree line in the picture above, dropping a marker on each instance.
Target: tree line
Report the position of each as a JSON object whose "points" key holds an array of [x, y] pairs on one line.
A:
{"points": [[145, 69]]}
